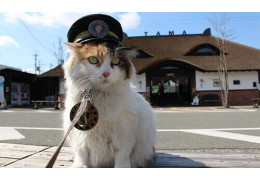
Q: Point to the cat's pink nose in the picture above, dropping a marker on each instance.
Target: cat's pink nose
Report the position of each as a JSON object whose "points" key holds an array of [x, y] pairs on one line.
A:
{"points": [[106, 74]]}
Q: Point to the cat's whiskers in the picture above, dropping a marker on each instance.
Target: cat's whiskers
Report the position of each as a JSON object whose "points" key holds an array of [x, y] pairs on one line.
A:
{"points": [[86, 82], [82, 78], [83, 83]]}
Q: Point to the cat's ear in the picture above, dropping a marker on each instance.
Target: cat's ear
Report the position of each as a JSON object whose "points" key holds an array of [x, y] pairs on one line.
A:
{"points": [[136, 52], [74, 46]]}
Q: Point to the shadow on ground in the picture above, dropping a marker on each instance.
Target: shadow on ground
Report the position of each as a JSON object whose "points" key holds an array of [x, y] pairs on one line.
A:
{"points": [[165, 160]]}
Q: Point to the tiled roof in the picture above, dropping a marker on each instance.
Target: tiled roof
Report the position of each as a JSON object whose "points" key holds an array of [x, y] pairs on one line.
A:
{"points": [[55, 72], [175, 48]]}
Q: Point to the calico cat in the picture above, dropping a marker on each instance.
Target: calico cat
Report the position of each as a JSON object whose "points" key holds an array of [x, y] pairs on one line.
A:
{"points": [[125, 133]]}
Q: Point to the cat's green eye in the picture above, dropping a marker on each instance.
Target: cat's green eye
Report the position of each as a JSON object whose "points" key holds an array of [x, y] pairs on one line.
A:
{"points": [[115, 61], [93, 60]]}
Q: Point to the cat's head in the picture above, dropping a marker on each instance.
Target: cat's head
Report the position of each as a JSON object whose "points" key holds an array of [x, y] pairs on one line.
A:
{"points": [[100, 65]]}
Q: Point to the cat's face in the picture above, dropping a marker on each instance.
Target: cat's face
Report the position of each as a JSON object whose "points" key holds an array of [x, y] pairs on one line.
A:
{"points": [[98, 65]]}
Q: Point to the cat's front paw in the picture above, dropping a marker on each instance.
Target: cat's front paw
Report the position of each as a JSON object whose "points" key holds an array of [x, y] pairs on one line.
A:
{"points": [[78, 165]]}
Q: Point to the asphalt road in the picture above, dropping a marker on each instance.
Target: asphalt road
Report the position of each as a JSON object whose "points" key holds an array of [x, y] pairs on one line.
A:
{"points": [[237, 129]]}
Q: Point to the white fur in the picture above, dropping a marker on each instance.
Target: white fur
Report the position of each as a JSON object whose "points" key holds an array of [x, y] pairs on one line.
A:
{"points": [[125, 133]]}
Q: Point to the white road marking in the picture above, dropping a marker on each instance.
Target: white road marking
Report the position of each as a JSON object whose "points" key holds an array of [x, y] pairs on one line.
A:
{"points": [[226, 135], [30, 111], [9, 134], [219, 129], [213, 110], [46, 111], [35, 128], [220, 134], [7, 111]]}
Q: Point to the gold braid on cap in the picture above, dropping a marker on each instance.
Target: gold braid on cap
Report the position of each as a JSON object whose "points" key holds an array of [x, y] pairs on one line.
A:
{"points": [[85, 33]]}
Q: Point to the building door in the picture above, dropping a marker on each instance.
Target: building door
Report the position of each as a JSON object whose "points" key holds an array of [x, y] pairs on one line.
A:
{"points": [[178, 81], [177, 91]]}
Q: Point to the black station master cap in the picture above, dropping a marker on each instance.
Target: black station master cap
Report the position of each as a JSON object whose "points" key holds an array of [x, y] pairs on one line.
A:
{"points": [[95, 27]]}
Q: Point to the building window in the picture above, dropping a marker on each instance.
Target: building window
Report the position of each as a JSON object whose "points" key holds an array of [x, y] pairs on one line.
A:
{"points": [[204, 50], [254, 84], [236, 82], [216, 82]]}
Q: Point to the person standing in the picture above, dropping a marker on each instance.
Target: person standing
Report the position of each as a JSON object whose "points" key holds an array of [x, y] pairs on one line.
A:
{"points": [[160, 93]]}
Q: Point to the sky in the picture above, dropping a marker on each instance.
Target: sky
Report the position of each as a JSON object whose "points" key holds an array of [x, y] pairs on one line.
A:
{"points": [[24, 34]]}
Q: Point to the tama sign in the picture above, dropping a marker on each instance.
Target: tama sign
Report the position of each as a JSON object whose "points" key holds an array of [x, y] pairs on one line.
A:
{"points": [[171, 33], [207, 32]]}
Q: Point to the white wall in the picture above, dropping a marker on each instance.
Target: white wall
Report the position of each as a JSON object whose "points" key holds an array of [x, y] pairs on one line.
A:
{"points": [[204, 81]]}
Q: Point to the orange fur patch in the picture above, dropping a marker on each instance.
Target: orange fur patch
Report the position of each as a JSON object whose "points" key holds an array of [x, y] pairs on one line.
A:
{"points": [[130, 70], [72, 61], [89, 49]]}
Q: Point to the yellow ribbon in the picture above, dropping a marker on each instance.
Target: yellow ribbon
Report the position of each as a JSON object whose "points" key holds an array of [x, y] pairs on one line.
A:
{"points": [[85, 33]]}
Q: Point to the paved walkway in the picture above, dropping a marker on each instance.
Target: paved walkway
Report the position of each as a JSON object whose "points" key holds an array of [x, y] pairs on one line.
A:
{"points": [[27, 156]]}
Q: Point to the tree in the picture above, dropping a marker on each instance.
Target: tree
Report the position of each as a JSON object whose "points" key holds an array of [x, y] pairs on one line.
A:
{"points": [[59, 52], [223, 34]]}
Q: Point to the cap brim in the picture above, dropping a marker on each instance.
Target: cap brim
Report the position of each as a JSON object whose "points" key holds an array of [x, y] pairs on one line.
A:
{"points": [[116, 41]]}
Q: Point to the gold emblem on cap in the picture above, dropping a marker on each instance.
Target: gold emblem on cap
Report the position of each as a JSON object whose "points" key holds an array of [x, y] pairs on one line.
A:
{"points": [[98, 28]]}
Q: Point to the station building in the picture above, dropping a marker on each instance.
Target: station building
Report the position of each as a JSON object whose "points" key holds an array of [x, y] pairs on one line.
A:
{"points": [[188, 64]]}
